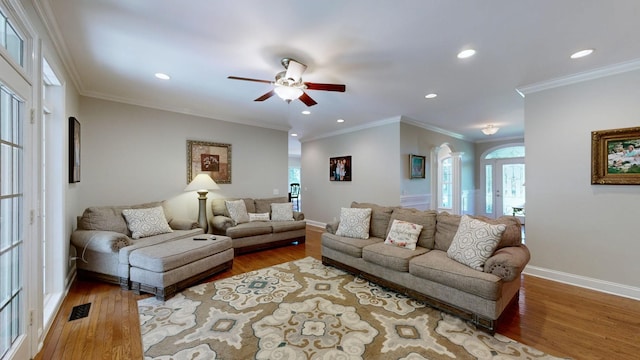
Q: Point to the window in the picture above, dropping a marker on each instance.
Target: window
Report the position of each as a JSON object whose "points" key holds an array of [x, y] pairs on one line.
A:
{"points": [[11, 219], [11, 40], [446, 184]]}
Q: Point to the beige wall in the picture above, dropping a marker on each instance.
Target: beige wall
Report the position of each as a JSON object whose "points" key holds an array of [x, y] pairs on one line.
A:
{"points": [[133, 154], [577, 232]]}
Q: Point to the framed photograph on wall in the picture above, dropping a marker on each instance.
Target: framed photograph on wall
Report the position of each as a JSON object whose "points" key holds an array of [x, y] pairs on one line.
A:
{"points": [[209, 158], [416, 166], [615, 156], [340, 168], [74, 150]]}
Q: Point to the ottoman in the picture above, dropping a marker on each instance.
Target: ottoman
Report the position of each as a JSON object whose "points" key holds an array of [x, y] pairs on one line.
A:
{"points": [[169, 267]]}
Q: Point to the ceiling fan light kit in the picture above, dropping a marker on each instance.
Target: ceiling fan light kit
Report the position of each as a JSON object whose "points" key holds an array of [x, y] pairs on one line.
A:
{"points": [[289, 85]]}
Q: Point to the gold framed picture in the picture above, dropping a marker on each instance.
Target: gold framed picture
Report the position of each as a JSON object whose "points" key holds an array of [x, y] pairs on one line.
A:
{"points": [[615, 156], [209, 158]]}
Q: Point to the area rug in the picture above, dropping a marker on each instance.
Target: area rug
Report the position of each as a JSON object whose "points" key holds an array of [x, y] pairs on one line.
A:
{"points": [[305, 310]]}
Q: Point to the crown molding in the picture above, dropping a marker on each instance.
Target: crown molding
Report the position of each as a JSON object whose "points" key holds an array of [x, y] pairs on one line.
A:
{"points": [[580, 77], [433, 128], [392, 120]]}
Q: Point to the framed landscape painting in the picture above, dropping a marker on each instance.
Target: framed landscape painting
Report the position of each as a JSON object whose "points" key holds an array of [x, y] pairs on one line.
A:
{"points": [[615, 156], [340, 168], [209, 158]]}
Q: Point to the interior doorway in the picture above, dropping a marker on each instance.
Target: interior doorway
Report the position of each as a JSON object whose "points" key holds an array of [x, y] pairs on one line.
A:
{"points": [[504, 182]]}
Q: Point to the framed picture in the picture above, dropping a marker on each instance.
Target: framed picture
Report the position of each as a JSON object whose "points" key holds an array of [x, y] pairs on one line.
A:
{"points": [[615, 156], [340, 168], [209, 158], [74, 150], [416, 166]]}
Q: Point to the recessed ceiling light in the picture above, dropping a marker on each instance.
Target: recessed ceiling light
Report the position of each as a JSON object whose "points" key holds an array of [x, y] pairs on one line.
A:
{"points": [[306, 112], [466, 53], [294, 134], [582, 53], [163, 76], [340, 120], [431, 96]]}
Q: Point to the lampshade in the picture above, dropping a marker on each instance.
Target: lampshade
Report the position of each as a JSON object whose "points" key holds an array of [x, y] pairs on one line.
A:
{"points": [[490, 130], [202, 182], [288, 92]]}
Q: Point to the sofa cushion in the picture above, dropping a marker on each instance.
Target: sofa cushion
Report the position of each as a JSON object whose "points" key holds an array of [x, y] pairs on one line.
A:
{"points": [[284, 226], [259, 217], [282, 211], [512, 235], [249, 229], [350, 246], [474, 242], [264, 205], [237, 211], [354, 223], [391, 257], [425, 218], [446, 228], [146, 222], [109, 218], [380, 217], [403, 234], [219, 207], [438, 267]]}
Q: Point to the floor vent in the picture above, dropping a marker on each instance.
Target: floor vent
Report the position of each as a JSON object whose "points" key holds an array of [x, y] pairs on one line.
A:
{"points": [[80, 311]]}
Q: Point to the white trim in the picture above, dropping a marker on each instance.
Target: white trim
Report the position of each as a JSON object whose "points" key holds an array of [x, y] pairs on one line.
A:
{"points": [[579, 77], [432, 128], [584, 282], [416, 201], [316, 223], [392, 120]]}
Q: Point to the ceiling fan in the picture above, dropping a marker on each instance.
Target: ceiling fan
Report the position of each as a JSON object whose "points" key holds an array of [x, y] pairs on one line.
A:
{"points": [[289, 85]]}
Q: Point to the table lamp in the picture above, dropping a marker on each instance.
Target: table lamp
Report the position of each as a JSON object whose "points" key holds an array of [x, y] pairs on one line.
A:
{"points": [[202, 183]]}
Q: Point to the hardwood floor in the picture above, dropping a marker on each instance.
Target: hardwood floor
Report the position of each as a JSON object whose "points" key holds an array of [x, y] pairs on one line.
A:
{"points": [[562, 320]]}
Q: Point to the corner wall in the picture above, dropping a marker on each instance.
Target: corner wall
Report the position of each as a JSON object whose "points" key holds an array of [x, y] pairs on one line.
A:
{"points": [[577, 232]]}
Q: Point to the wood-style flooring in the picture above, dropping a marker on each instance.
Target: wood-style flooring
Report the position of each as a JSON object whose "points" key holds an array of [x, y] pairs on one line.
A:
{"points": [[556, 318]]}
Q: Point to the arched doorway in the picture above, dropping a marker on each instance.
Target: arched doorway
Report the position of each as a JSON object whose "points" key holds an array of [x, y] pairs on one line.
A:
{"points": [[503, 181], [446, 181]]}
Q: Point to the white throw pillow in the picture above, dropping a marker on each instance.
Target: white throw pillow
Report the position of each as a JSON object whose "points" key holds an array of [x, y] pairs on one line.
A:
{"points": [[282, 211], [146, 222], [237, 211], [354, 223], [258, 217], [474, 242], [403, 234]]}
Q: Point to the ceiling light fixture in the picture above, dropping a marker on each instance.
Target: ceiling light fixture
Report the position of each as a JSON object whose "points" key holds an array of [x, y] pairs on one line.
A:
{"points": [[340, 120], [294, 134], [306, 112], [466, 53], [489, 129], [582, 53], [431, 96], [162, 76], [288, 93]]}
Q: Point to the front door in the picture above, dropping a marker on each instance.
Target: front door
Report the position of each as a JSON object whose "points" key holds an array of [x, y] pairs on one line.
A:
{"points": [[505, 192]]}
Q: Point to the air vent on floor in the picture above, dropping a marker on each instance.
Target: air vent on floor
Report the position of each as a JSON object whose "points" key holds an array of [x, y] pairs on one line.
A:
{"points": [[80, 311]]}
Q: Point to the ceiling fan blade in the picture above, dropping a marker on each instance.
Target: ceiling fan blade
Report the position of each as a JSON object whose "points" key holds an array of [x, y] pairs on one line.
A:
{"points": [[325, 87], [249, 79], [265, 96], [307, 100], [295, 70]]}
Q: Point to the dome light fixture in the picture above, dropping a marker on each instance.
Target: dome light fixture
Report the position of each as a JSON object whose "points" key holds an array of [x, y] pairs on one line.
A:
{"points": [[490, 129], [430, 96], [288, 93], [582, 53], [466, 53]]}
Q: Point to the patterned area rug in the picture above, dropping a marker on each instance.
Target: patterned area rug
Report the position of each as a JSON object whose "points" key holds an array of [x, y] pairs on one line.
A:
{"points": [[305, 310]]}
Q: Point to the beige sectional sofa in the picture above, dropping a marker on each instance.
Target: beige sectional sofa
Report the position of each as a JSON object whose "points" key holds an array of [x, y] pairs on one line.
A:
{"points": [[429, 273], [103, 241], [259, 233]]}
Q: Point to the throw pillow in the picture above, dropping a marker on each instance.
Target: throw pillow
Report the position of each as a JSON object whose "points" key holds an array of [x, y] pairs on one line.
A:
{"points": [[282, 211], [258, 217], [354, 223], [474, 242], [403, 234], [146, 222], [237, 211]]}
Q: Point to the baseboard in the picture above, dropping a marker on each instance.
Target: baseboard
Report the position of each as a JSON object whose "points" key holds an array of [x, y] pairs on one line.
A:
{"points": [[316, 223], [584, 282]]}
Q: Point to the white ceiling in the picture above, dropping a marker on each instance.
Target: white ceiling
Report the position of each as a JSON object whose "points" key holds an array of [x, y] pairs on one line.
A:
{"points": [[388, 53]]}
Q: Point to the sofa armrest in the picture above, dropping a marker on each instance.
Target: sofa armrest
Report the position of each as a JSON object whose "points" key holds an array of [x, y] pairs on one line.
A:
{"points": [[183, 224], [332, 227], [508, 262], [99, 240], [297, 215], [221, 223]]}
